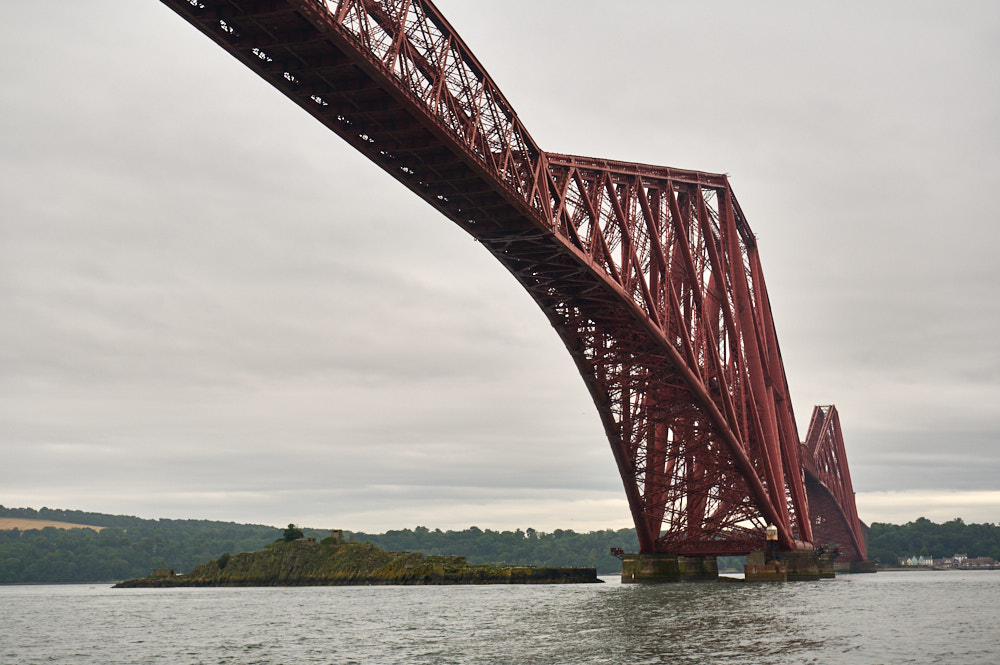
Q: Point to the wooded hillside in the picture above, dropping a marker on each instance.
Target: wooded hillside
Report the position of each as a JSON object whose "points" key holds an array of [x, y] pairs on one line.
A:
{"points": [[888, 543], [131, 547]]}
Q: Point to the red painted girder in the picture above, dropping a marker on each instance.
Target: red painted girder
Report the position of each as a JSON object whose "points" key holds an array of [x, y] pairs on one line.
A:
{"points": [[831, 493], [591, 188]]}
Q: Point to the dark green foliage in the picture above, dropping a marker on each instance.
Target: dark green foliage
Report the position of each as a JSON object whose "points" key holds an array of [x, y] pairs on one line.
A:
{"points": [[526, 548], [128, 547], [888, 543], [292, 533], [303, 562], [729, 564], [224, 560], [132, 547]]}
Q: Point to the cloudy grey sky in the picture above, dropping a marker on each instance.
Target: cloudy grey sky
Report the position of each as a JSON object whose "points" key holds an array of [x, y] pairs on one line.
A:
{"points": [[213, 308]]}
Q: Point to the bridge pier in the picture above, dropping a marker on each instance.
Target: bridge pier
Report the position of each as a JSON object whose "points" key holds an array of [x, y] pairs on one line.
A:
{"points": [[853, 567], [798, 566], [660, 567], [825, 564]]}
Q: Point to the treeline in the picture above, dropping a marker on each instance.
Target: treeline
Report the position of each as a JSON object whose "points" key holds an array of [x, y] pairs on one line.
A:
{"points": [[128, 546], [526, 548], [888, 543], [131, 547]]}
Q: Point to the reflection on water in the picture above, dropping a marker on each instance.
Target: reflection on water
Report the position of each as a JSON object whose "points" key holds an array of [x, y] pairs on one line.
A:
{"points": [[918, 618]]}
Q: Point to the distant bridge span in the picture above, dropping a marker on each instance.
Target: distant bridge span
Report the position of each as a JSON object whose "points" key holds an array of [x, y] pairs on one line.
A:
{"points": [[650, 275]]}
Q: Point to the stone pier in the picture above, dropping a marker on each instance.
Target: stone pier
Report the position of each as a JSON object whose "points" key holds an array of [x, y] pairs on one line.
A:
{"points": [[803, 565], [854, 566], [798, 566], [763, 568], [826, 567], [659, 567]]}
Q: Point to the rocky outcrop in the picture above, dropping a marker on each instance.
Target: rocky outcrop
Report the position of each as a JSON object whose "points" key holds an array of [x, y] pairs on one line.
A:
{"points": [[330, 563]]}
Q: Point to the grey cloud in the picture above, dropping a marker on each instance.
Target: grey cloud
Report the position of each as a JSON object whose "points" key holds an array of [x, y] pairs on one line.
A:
{"points": [[213, 306]]}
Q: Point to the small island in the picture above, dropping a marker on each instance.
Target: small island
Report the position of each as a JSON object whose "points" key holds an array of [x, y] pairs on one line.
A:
{"points": [[332, 562]]}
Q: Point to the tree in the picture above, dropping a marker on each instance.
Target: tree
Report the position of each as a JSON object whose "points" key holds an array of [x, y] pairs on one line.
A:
{"points": [[293, 533]]}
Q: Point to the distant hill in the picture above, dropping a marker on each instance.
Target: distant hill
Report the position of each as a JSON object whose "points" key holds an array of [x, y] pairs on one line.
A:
{"points": [[888, 543], [58, 545], [113, 547], [130, 547]]}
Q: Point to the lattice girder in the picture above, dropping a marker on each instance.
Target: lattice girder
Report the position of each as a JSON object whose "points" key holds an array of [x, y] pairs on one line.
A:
{"points": [[828, 481]]}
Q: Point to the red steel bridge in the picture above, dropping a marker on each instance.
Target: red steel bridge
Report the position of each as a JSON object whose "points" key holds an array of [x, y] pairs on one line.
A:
{"points": [[649, 274]]}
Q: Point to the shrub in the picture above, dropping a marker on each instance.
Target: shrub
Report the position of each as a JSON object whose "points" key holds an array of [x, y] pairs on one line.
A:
{"points": [[293, 533]]}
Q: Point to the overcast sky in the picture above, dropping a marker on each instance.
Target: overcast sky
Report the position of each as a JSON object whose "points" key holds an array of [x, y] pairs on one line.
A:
{"points": [[214, 308]]}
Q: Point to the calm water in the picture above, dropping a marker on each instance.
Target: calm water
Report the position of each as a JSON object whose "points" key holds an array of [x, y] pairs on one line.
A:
{"points": [[943, 617]]}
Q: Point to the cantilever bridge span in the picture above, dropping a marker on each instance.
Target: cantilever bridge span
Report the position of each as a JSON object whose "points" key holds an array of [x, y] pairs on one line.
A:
{"points": [[650, 275]]}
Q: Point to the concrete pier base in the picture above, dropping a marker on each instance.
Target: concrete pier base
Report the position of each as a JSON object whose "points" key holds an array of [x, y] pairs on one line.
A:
{"points": [[659, 567], [826, 567], [799, 566], [854, 567], [765, 572], [762, 567], [803, 565]]}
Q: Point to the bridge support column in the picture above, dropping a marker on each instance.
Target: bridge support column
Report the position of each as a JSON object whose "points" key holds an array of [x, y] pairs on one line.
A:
{"points": [[803, 565], [658, 567], [762, 567], [826, 567], [798, 566], [855, 566]]}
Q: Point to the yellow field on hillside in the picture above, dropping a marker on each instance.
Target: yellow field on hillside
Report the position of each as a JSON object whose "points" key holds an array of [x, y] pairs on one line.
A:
{"points": [[8, 523]]}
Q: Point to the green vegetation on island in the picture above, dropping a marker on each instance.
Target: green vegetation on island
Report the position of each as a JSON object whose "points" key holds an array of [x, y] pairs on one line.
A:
{"points": [[331, 562], [131, 547]]}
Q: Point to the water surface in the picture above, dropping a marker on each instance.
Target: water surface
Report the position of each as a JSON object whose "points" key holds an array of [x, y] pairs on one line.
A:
{"points": [[916, 618]]}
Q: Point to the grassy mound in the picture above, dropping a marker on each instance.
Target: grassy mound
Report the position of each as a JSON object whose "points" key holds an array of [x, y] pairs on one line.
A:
{"points": [[307, 562]]}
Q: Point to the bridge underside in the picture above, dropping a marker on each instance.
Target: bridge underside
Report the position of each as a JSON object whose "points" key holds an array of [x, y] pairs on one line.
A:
{"points": [[650, 275], [830, 527]]}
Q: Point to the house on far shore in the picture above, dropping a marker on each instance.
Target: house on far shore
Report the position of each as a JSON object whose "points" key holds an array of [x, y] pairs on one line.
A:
{"points": [[962, 561], [965, 562]]}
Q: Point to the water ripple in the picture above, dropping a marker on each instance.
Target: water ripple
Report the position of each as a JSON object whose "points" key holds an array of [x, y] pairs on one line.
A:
{"points": [[888, 618]]}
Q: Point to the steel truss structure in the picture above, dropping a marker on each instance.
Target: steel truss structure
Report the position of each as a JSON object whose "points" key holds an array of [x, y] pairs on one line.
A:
{"points": [[828, 486], [650, 275]]}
